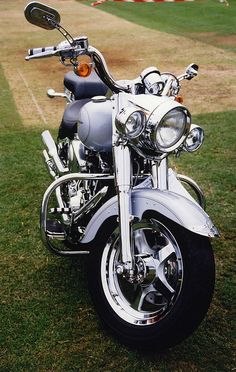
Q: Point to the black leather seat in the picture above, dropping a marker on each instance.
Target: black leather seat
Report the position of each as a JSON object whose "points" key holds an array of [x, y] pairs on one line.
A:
{"points": [[87, 87], [83, 90]]}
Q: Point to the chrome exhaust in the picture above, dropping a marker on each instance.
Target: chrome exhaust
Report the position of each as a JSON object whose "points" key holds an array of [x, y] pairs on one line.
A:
{"points": [[52, 152], [50, 165]]}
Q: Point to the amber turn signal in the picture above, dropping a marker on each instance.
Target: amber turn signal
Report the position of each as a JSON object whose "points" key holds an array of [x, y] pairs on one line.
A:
{"points": [[83, 69], [179, 99]]}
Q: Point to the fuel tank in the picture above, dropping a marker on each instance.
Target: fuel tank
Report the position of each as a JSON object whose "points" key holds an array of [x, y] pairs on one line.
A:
{"points": [[94, 124]]}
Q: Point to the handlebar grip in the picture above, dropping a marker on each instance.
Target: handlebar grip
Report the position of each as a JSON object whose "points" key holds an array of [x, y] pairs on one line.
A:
{"points": [[33, 51]]}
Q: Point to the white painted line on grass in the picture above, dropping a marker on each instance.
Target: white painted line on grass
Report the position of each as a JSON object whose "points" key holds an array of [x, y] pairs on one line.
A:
{"points": [[40, 111]]}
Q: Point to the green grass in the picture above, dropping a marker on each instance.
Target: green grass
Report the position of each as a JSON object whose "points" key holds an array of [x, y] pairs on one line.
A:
{"points": [[47, 320], [202, 20]]}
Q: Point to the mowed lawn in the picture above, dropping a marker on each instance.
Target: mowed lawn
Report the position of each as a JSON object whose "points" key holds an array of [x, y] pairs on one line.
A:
{"points": [[47, 320], [209, 21]]}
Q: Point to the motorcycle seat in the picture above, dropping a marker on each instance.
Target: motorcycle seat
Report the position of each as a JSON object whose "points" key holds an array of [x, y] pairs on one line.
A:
{"points": [[87, 87]]}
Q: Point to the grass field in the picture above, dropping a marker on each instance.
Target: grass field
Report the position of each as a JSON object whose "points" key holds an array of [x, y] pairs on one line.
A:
{"points": [[47, 320], [208, 21]]}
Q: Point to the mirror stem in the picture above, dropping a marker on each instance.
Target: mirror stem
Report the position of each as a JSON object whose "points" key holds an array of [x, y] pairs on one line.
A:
{"points": [[65, 33]]}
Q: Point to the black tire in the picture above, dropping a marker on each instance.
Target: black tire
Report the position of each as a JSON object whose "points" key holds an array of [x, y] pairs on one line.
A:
{"points": [[158, 318]]}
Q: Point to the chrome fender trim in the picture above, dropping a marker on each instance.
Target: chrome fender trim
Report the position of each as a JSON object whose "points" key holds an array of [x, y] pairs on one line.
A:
{"points": [[173, 206]]}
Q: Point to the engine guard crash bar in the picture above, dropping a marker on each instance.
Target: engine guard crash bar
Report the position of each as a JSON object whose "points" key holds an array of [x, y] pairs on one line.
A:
{"points": [[44, 208], [54, 186], [195, 187]]}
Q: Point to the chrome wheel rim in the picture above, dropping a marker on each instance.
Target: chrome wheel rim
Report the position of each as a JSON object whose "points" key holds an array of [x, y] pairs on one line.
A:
{"points": [[146, 301]]}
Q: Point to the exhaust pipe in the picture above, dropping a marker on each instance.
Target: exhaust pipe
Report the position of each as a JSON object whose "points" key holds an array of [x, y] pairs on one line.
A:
{"points": [[52, 151], [50, 165]]}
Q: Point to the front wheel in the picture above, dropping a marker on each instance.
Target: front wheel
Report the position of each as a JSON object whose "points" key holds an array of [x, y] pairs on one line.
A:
{"points": [[170, 292]]}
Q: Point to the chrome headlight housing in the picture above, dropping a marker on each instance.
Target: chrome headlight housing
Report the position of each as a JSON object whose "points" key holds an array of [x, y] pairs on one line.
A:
{"points": [[167, 127], [130, 122], [194, 139]]}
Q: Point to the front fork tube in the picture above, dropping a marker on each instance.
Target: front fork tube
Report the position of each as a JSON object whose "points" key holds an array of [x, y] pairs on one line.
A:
{"points": [[123, 177], [160, 174]]}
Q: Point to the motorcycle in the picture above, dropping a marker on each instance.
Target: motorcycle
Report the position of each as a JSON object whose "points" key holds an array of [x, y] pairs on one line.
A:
{"points": [[115, 198]]}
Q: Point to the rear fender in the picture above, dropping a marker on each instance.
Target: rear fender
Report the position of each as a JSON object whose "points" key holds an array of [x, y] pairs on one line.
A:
{"points": [[171, 205]]}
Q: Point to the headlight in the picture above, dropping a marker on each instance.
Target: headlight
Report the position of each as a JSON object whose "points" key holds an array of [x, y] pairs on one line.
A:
{"points": [[130, 122], [170, 129], [194, 139], [167, 127]]}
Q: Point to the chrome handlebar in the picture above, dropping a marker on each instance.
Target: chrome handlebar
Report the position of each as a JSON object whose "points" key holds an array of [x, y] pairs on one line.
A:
{"points": [[103, 72], [67, 51], [33, 51]]}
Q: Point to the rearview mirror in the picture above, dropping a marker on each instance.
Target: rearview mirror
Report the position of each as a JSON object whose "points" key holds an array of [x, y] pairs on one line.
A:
{"points": [[192, 71], [42, 15]]}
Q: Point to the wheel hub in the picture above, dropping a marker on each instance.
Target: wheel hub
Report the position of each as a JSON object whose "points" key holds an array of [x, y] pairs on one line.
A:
{"points": [[144, 273], [146, 270]]}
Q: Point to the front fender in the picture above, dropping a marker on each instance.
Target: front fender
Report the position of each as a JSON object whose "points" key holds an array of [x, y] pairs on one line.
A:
{"points": [[173, 206]]}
